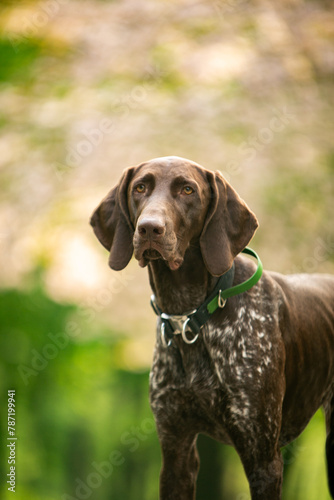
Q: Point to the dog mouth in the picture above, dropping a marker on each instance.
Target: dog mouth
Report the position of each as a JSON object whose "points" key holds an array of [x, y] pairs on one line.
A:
{"points": [[152, 254]]}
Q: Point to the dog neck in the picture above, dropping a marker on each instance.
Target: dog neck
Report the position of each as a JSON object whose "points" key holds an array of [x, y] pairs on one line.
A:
{"points": [[183, 290]]}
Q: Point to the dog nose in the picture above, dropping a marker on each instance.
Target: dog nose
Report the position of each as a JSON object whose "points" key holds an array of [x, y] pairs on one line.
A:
{"points": [[151, 229]]}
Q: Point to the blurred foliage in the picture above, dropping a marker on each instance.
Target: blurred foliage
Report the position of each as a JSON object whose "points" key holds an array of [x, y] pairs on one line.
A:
{"points": [[17, 67], [29, 62], [74, 408]]}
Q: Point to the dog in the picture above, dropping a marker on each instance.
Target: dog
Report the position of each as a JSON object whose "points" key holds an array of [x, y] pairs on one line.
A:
{"points": [[253, 370]]}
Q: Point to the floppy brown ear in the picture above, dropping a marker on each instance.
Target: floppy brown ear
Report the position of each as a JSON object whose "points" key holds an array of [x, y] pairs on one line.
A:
{"points": [[228, 228], [112, 226]]}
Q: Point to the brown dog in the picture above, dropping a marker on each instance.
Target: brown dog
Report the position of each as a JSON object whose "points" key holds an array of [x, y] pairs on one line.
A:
{"points": [[252, 373]]}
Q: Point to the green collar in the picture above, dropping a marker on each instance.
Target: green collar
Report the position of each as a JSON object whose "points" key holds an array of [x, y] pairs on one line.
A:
{"points": [[172, 324], [243, 287]]}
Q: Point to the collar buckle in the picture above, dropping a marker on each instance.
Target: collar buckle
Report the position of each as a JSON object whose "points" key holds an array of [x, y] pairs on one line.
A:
{"points": [[176, 321], [178, 324]]}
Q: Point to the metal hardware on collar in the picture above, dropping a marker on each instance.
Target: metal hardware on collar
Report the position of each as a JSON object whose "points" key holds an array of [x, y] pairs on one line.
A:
{"points": [[221, 301], [155, 306], [163, 336], [184, 336], [193, 321], [178, 323]]}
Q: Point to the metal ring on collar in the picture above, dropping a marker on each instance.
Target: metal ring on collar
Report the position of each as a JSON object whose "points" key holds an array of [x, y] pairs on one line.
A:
{"points": [[221, 300], [184, 336], [163, 336]]}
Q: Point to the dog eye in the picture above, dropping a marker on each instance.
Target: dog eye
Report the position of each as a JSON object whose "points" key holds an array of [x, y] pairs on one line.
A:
{"points": [[140, 188], [188, 190]]}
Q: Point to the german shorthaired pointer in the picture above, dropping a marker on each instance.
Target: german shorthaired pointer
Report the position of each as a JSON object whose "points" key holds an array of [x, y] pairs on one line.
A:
{"points": [[249, 371]]}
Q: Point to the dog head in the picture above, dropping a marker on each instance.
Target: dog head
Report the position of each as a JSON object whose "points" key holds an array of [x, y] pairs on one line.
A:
{"points": [[162, 206]]}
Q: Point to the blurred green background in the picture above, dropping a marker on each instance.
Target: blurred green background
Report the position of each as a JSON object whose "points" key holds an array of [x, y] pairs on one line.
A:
{"points": [[88, 88]]}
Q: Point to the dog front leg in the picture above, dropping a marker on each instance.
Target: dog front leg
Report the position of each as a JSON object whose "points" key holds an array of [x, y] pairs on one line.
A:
{"points": [[264, 476], [180, 464]]}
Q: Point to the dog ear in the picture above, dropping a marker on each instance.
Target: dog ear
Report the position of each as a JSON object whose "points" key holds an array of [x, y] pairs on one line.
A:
{"points": [[228, 228], [112, 226]]}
